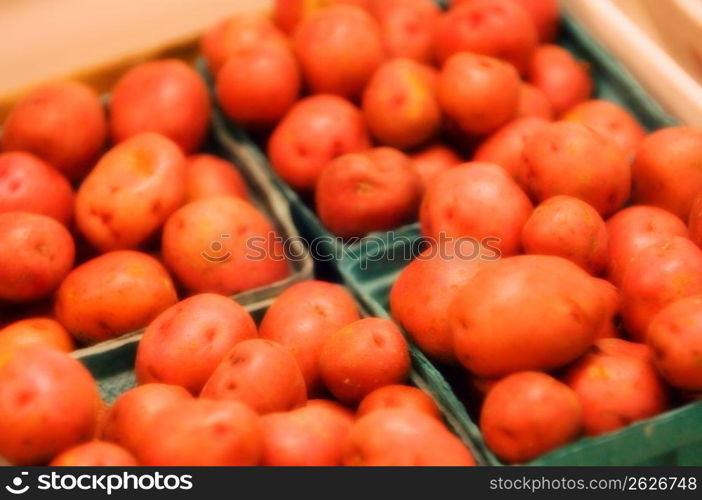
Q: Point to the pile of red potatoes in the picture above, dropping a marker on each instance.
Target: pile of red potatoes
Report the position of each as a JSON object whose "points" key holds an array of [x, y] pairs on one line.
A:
{"points": [[581, 316]]}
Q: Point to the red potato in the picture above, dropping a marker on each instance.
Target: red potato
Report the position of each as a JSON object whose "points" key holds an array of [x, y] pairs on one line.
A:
{"points": [[62, 123], [432, 160], [400, 437], [339, 48], [167, 97], [616, 390], [400, 106], [222, 245], [103, 410], [570, 228], [302, 318], [572, 159], [236, 34], [495, 28], [620, 347], [635, 228], [261, 374], [544, 13], [376, 190], [399, 396], [36, 253], [528, 414], [257, 87], [658, 275], [36, 331], [335, 406], [662, 160], [407, 27], [28, 184], [613, 300], [533, 102], [288, 13], [95, 454], [497, 318], [476, 200], [202, 432], [48, 403], [479, 93], [312, 436], [611, 120], [116, 293], [363, 356], [137, 410], [506, 145], [208, 175], [187, 341], [479, 386], [675, 338], [563, 79], [131, 192], [421, 295], [546, 17], [694, 221], [314, 132]]}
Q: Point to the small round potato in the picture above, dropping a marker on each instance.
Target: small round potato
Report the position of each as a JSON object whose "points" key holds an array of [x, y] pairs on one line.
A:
{"points": [[495, 28], [48, 403], [479, 93], [563, 79], [528, 414], [314, 132], [261, 374], [399, 437], [28, 184], [116, 293], [187, 341], [36, 253], [222, 245], [339, 48], [131, 192], [62, 123], [164, 96]]}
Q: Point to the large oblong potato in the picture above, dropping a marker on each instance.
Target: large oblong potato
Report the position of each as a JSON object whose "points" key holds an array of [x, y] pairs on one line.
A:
{"points": [[131, 191], [530, 312]]}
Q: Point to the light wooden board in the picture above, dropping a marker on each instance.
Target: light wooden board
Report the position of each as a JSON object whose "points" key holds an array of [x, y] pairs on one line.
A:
{"points": [[94, 40], [639, 34]]}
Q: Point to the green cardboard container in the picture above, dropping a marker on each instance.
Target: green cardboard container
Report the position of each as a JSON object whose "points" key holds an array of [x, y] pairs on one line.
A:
{"points": [[371, 265], [112, 365], [267, 198]]}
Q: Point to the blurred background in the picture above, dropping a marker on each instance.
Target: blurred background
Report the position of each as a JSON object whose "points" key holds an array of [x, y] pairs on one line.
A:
{"points": [[660, 42]]}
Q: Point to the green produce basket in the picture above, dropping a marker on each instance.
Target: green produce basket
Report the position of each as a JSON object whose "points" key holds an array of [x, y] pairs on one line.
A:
{"points": [[371, 265], [267, 198], [673, 438], [112, 365]]}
